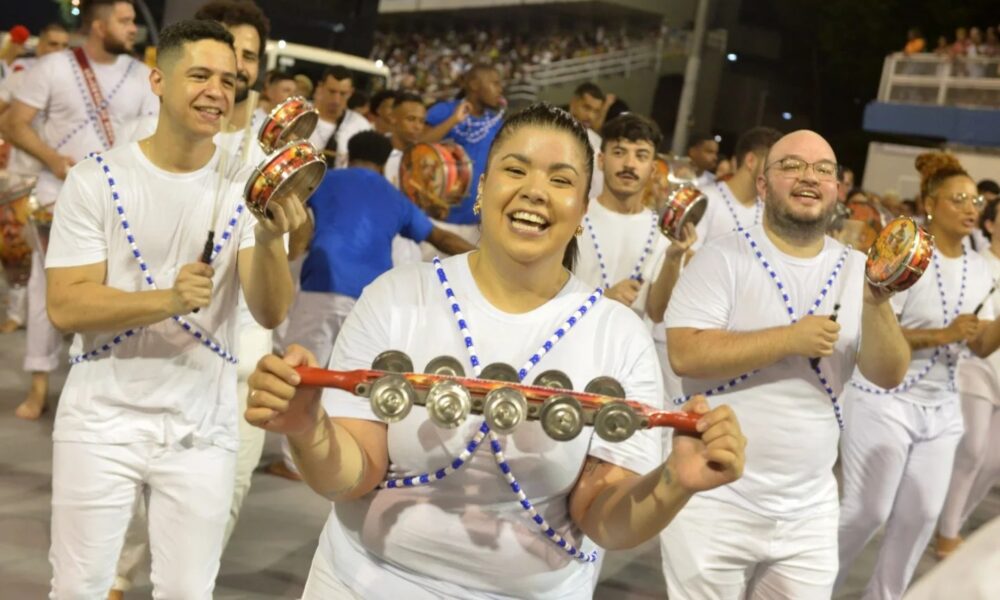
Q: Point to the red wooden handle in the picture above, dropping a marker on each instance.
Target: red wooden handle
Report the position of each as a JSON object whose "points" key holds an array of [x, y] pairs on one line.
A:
{"points": [[343, 380], [680, 420]]}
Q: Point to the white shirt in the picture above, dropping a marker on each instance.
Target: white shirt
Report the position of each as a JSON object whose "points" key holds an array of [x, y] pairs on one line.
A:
{"points": [[597, 180], [786, 416], [622, 239], [352, 123], [55, 85], [704, 180], [718, 219], [160, 385], [466, 536], [20, 162], [404, 250], [391, 169], [978, 376], [920, 308]]}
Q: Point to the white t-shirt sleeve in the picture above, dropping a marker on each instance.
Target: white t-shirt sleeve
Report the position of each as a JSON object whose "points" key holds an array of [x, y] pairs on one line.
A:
{"points": [[247, 237], [78, 230], [701, 297], [35, 89]]}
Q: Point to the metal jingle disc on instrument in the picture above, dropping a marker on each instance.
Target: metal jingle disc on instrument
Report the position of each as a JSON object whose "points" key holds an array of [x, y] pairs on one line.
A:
{"points": [[500, 372], [505, 408], [605, 386], [553, 378], [393, 361], [448, 404], [615, 422], [391, 397], [295, 170], [445, 365], [686, 205], [900, 255], [561, 418], [294, 119]]}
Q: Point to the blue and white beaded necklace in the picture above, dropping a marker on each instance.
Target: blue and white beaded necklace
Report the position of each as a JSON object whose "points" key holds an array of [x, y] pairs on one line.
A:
{"points": [[195, 332], [646, 250], [484, 429], [724, 191]]}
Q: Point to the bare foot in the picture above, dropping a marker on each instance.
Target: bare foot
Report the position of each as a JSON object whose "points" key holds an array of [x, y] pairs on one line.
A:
{"points": [[116, 595], [278, 468], [944, 546], [31, 409], [9, 326]]}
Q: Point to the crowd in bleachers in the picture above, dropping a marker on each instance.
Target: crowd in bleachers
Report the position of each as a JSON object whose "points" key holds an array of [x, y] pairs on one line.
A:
{"points": [[969, 43]]}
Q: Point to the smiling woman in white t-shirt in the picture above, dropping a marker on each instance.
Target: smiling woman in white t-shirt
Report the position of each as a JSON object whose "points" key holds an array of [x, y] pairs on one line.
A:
{"points": [[467, 535], [899, 444]]}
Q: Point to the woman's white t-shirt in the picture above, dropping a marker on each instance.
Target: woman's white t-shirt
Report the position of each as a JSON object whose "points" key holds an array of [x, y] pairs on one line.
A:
{"points": [[467, 536], [161, 384], [977, 376], [784, 412]]}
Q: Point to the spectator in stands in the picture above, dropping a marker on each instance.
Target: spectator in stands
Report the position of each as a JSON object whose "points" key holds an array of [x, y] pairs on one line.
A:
{"points": [[337, 122], [586, 106], [380, 108], [961, 45], [943, 48], [472, 122], [915, 42], [278, 87], [703, 151], [522, 91]]}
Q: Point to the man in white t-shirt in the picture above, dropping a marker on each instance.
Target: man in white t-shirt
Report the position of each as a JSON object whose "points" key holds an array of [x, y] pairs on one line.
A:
{"points": [[734, 203], [149, 404], [406, 123], [76, 123], [586, 106], [703, 150], [337, 123], [746, 317]]}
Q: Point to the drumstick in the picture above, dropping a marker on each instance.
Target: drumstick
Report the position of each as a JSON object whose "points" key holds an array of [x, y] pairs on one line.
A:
{"points": [[988, 294], [814, 361], [206, 251], [252, 100]]}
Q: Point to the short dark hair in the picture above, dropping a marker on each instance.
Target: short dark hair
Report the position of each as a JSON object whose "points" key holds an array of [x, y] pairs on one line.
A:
{"points": [[378, 98], [358, 99], [53, 26], [988, 186], [632, 127], [238, 12], [370, 146], [173, 37], [699, 138], [275, 76], [89, 9], [476, 70], [338, 72], [756, 140], [404, 97], [542, 114], [589, 89], [989, 214]]}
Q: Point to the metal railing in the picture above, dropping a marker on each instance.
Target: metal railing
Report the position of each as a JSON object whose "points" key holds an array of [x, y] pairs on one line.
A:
{"points": [[970, 82]]}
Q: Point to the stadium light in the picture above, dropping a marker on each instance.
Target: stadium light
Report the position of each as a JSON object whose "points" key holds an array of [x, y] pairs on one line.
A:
{"points": [[786, 116], [718, 139], [379, 63], [281, 43], [75, 11], [731, 57]]}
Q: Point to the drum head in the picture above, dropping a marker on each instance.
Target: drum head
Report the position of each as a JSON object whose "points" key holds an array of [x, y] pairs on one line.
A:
{"points": [[294, 170], [300, 183], [892, 252], [300, 128]]}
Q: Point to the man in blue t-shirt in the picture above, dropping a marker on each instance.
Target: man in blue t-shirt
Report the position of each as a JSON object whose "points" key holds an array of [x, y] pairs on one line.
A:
{"points": [[356, 215], [472, 123]]}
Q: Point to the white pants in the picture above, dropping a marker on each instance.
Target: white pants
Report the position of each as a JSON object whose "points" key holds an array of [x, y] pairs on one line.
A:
{"points": [[254, 343], [714, 550], [323, 583], [94, 490], [896, 458], [977, 463], [314, 322], [17, 304], [469, 233], [44, 344], [971, 573]]}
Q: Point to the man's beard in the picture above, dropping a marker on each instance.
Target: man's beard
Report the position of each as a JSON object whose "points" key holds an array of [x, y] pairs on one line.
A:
{"points": [[242, 87], [116, 47], [792, 227]]}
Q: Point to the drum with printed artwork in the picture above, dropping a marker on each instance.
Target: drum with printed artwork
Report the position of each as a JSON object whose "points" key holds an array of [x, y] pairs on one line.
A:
{"points": [[296, 169], [686, 205], [435, 176], [294, 119], [16, 239], [899, 256]]}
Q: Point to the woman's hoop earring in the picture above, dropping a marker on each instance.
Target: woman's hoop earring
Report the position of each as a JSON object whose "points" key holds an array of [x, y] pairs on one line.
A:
{"points": [[579, 231], [477, 207]]}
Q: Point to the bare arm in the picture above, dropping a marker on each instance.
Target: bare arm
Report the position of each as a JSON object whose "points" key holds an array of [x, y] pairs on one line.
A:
{"points": [[987, 340], [437, 132], [16, 128], [618, 508], [663, 286], [77, 299], [299, 239], [884, 355], [446, 241]]}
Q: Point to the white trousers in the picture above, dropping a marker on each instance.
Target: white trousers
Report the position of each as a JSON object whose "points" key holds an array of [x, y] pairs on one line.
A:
{"points": [[254, 343], [94, 490], [17, 304], [44, 343], [718, 551], [977, 463], [323, 583], [315, 322], [896, 458]]}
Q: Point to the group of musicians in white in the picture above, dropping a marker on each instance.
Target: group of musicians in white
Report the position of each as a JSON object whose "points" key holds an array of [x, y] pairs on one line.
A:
{"points": [[755, 320]]}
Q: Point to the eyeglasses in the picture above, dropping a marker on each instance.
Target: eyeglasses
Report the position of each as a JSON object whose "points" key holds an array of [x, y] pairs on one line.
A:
{"points": [[959, 199], [791, 167]]}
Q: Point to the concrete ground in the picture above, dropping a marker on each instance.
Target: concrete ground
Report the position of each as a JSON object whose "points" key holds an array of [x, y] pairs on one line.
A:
{"points": [[273, 544]]}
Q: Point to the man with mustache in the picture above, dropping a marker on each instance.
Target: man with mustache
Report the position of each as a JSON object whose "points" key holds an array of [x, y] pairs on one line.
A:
{"points": [[747, 315], [85, 96]]}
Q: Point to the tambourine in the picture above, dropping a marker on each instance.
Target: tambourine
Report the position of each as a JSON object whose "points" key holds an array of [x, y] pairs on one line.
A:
{"points": [[296, 169], [899, 256], [449, 398], [686, 205], [435, 176], [293, 119]]}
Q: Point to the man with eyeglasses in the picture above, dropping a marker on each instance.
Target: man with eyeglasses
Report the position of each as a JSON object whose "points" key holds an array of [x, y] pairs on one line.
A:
{"points": [[746, 317]]}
